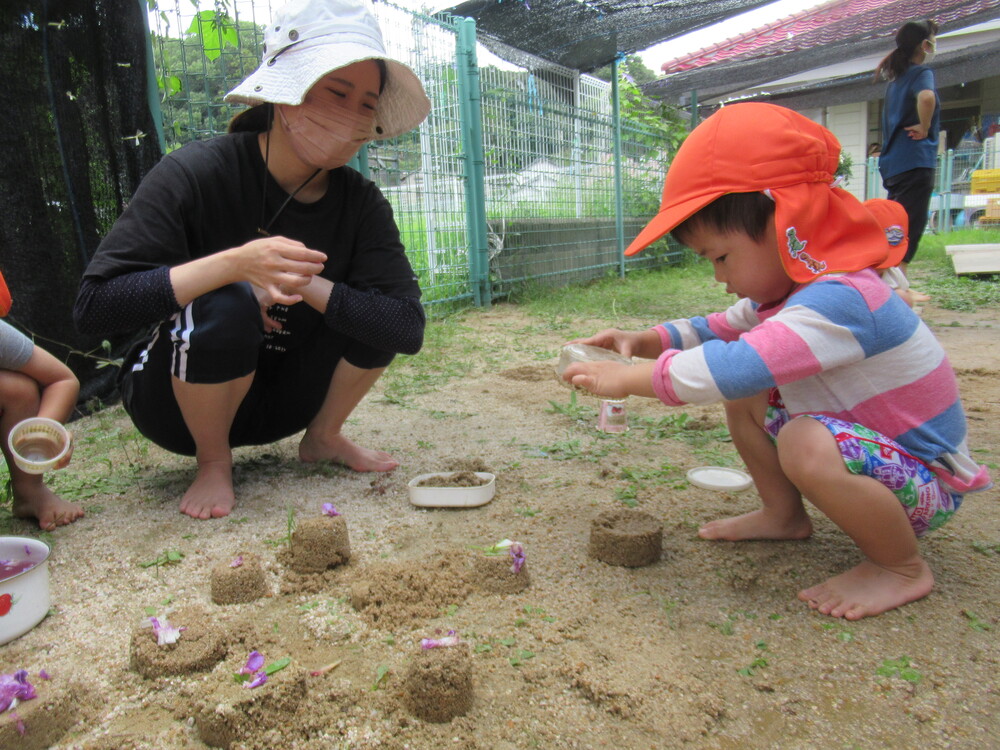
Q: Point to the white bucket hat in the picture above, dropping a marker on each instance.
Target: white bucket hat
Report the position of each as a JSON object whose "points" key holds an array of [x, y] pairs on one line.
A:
{"points": [[310, 38]]}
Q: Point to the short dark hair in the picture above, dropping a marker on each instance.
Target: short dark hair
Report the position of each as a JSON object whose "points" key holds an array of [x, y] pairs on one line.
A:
{"points": [[748, 213]]}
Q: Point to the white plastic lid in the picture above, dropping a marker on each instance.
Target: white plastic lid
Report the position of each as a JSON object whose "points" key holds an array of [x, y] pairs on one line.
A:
{"points": [[719, 478]]}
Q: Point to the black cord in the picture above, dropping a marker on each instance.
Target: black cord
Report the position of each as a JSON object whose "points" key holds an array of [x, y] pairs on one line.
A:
{"points": [[263, 229]]}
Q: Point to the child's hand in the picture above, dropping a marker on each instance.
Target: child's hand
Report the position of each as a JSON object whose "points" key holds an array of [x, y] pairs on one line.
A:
{"points": [[611, 379], [626, 343], [64, 461]]}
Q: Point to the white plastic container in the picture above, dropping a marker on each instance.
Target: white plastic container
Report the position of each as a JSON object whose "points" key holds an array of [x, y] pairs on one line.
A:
{"points": [[719, 478], [24, 597], [38, 444], [430, 496]]}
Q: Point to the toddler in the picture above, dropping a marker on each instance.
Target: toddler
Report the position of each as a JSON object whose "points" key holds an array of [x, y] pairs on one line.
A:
{"points": [[33, 383], [834, 389]]}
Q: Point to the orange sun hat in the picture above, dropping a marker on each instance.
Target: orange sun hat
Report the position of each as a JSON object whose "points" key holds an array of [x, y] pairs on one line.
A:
{"points": [[891, 216], [5, 300], [756, 147]]}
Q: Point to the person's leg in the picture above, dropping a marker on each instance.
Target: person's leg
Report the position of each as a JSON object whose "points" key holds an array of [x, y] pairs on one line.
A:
{"points": [[324, 440], [782, 515], [208, 411], [185, 388], [19, 399], [868, 512], [912, 190]]}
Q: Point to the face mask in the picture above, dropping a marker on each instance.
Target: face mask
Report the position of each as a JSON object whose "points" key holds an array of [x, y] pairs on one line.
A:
{"points": [[326, 136]]}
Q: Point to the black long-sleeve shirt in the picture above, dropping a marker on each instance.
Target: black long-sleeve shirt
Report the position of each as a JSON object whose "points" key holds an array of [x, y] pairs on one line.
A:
{"points": [[207, 197]]}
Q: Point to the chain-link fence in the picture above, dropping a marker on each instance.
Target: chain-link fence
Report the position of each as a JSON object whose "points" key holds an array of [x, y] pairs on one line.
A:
{"points": [[522, 174], [967, 186]]}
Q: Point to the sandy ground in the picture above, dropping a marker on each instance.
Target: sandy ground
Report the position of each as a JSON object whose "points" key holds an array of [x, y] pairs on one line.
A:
{"points": [[706, 648]]}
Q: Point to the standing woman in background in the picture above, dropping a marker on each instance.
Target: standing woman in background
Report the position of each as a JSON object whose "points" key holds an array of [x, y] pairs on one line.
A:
{"points": [[911, 119]]}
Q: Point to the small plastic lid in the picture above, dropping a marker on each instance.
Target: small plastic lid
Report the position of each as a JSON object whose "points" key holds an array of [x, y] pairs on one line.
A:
{"points": [[719, 478]]}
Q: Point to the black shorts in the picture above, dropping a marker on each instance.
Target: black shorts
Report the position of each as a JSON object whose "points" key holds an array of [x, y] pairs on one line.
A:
{"points": [[220, 337]]}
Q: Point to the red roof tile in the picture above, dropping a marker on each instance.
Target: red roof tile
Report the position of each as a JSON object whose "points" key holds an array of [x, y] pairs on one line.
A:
{"points": [[836, 21]]}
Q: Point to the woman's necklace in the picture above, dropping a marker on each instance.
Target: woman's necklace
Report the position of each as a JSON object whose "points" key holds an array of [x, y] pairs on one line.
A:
{"points": [[264, 229]]}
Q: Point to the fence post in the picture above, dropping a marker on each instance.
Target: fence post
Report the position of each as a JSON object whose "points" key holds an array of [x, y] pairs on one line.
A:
{"points": [[949, 166], [470, 106], [616, 125]]}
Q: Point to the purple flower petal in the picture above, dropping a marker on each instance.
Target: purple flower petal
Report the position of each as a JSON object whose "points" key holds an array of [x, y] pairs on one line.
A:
{"points": [[258, 679], [15, 688], [449, 640], [44, 675], [330, 510], [254, 663], [237, 562], [517, 555], [165, 633]]}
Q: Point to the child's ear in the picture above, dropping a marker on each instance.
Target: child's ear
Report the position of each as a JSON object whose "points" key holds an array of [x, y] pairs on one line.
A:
{"points": [[4, 297]]}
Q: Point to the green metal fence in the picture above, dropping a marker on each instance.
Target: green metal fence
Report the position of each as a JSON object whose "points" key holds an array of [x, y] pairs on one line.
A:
{"points": [[967, 187], [521, 174]]}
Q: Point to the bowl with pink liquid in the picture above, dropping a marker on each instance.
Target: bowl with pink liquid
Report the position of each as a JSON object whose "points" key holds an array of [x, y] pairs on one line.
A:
{"points": [[24, 585]]}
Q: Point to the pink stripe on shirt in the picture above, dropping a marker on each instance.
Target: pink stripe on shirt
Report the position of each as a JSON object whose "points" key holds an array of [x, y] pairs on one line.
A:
{"points": [[872, 288], [780, 346], [895, 421]]}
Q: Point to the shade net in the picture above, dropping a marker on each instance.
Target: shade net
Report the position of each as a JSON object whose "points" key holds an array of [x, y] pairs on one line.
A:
{"points": [[78, 139], [588, 34]]}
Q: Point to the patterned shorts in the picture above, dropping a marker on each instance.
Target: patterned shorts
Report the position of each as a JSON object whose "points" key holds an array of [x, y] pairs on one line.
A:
{"points": [[926, 502]]}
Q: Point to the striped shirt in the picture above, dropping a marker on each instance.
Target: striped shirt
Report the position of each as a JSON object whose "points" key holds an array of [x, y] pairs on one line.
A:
{"points": [[844, 346]]}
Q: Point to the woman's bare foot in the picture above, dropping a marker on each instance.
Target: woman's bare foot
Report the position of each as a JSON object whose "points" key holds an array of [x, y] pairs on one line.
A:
{"points": [[869, 589], [758, 524], [39, 502], [343, 451], [211, 493]]}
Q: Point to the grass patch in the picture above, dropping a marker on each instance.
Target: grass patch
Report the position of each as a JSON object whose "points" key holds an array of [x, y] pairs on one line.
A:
{"points": [[932, 272]]}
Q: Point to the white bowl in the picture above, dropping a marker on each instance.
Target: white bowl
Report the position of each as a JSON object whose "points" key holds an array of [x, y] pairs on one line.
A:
{"points": [[429, 496], [24, 597], [38, 444]]}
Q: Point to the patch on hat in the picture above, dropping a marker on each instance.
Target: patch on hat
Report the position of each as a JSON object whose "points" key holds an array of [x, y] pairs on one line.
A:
{"points": [[797, 251], [895, 234]]}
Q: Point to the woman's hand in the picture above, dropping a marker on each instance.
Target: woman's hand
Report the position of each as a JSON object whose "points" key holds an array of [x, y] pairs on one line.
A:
{"points": [[277, 266], [265, 301]]}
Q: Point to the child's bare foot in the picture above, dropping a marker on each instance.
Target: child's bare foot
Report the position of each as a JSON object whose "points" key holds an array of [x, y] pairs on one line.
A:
{"points": [[869, 589], [211, 493], [758, 524], [39, 502], [342, 451]]}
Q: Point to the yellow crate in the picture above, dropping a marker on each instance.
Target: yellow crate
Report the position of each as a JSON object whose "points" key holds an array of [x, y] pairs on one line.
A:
{"points": [[993, 209], [986, 181]]}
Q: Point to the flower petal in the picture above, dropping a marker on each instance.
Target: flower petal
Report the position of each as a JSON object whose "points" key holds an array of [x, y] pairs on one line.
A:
{"points": [[165, 633], [254, 663], [259, 679], [330, 510], [449, 640], [517, 555], [237, 561]]}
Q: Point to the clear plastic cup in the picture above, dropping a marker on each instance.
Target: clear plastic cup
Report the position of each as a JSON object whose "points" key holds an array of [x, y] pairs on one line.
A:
{"points": [[38, 444], [585, 353]]}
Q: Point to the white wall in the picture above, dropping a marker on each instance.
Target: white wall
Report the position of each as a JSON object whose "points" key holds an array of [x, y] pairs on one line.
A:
{"points": [[849, 122]]}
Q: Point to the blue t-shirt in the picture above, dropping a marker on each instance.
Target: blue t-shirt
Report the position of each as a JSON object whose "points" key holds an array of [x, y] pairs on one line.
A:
{"points": [[901, 153]]}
